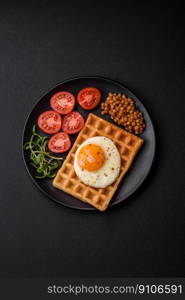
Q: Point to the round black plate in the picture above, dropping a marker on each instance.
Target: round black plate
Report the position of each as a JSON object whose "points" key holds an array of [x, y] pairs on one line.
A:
{"points": [[142, 162]]}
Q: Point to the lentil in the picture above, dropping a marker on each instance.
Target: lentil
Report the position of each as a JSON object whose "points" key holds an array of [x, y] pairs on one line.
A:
{"points": [[123, 111]]}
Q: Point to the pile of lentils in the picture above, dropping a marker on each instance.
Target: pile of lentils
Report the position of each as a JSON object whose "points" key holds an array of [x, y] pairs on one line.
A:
{"points": [[122, 110]]}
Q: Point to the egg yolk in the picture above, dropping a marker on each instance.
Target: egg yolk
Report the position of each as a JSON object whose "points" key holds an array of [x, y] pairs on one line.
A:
{"points": [[91, 157]]}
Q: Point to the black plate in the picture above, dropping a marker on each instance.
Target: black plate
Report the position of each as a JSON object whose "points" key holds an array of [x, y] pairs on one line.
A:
{"points": [[143, 160]]}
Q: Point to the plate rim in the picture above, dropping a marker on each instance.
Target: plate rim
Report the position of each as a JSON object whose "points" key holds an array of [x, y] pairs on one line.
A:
{"points": [[139, 184]]}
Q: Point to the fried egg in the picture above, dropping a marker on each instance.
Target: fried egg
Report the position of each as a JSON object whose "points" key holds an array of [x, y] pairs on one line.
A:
{"points": [[97, 162]]}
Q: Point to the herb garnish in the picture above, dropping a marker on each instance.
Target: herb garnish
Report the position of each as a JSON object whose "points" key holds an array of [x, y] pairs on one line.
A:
{"points": [[42, 159]]}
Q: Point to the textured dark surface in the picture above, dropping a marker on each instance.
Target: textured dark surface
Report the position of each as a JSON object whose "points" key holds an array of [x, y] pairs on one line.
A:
{"points": [[139, 44]]}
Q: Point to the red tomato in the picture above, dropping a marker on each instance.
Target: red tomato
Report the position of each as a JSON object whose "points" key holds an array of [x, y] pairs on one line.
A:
{"points": [[88, 98], [73, 122], [62, 102], [50, 121], [59, 142]]}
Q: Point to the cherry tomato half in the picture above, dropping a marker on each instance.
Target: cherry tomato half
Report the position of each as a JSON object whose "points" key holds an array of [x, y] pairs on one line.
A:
{"points": [[89, 97], [73, 122], [59, 142], [50, 121], [62, 102]]}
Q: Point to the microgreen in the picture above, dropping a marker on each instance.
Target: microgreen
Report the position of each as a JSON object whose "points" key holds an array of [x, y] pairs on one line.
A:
{"points": [[41, 158]]}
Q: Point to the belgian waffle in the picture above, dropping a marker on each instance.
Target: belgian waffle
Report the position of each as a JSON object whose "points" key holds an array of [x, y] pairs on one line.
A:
{"points": [[128, 146]]}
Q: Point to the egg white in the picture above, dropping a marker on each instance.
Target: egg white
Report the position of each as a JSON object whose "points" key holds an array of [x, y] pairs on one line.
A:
{"points": [[110, 170]]}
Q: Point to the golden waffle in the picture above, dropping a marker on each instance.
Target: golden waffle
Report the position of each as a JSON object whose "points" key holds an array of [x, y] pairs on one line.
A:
{"points": [[128, 146]]}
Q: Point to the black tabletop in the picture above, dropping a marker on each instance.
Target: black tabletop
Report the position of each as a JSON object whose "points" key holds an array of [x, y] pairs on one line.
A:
{"points": [[140, 44]]}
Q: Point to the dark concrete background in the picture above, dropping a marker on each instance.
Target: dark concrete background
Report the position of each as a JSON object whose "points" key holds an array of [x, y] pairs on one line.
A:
{"points": [[139, 43]]}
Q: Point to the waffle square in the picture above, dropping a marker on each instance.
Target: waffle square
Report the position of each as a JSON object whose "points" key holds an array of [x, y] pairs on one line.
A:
{"points": [[128, 146]]}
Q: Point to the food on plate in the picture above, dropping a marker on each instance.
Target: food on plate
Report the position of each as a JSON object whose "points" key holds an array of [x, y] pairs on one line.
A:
{"points": [[127, 144], [97, 162], [89, 97], [73, 122], [62, 102], [41, 159], [59, 142], [123, 111], [50, 121]]}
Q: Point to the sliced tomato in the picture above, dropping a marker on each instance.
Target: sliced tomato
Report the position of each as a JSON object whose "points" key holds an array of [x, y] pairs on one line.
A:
{"points": [[59, 142], [62, 102], [73, 122], [89, 97], [50, 121]]}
